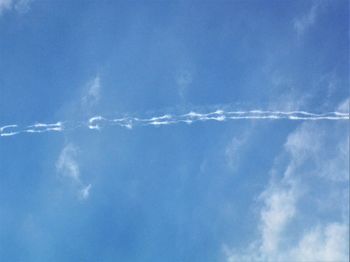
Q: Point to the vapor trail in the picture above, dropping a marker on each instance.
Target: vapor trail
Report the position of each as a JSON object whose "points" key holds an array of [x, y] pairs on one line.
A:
{"points": [[98, 122]]}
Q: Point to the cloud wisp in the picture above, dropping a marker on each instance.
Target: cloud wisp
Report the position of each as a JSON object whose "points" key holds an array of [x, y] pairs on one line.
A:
{"points": [[93, 93], [67, 165], [98, 122]]}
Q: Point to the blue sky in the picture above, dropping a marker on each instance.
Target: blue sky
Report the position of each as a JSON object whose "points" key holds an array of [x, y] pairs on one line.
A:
{"points": [[240, 190]]}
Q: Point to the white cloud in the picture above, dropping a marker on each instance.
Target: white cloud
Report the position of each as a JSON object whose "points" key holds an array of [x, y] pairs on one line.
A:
{"points": [[315, 153], [313, 145], [279, 209], [303, 23], [323, 243], [67, 165], [277, 212], [92, 96]]}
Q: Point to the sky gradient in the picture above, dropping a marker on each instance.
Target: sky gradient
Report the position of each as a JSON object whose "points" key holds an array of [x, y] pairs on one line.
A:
{"points": [[215, 190]]}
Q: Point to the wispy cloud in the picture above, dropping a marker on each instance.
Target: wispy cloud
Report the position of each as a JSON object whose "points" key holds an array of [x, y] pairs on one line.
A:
{"points": [[92, 96], [303, 23], [279, 208], [323, 243], [67, 165], [85, 192]]}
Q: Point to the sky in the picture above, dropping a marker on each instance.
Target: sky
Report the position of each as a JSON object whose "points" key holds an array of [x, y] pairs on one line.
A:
{"points": [[118, 141]]}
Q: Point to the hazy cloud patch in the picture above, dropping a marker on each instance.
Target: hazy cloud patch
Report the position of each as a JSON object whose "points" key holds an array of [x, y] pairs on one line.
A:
{"points": [[303, 23], [93, 93], [20, 6], [68, 166]]}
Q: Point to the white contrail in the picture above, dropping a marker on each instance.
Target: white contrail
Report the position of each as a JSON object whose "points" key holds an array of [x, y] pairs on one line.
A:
{"points": [[98, 122], [41, 128], [5, 132], [9, 134], [11, 130], [6, 127]]}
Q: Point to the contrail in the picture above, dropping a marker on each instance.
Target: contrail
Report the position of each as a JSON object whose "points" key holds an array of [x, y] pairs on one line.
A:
{"points": [[98, 122], [11, 130]]}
